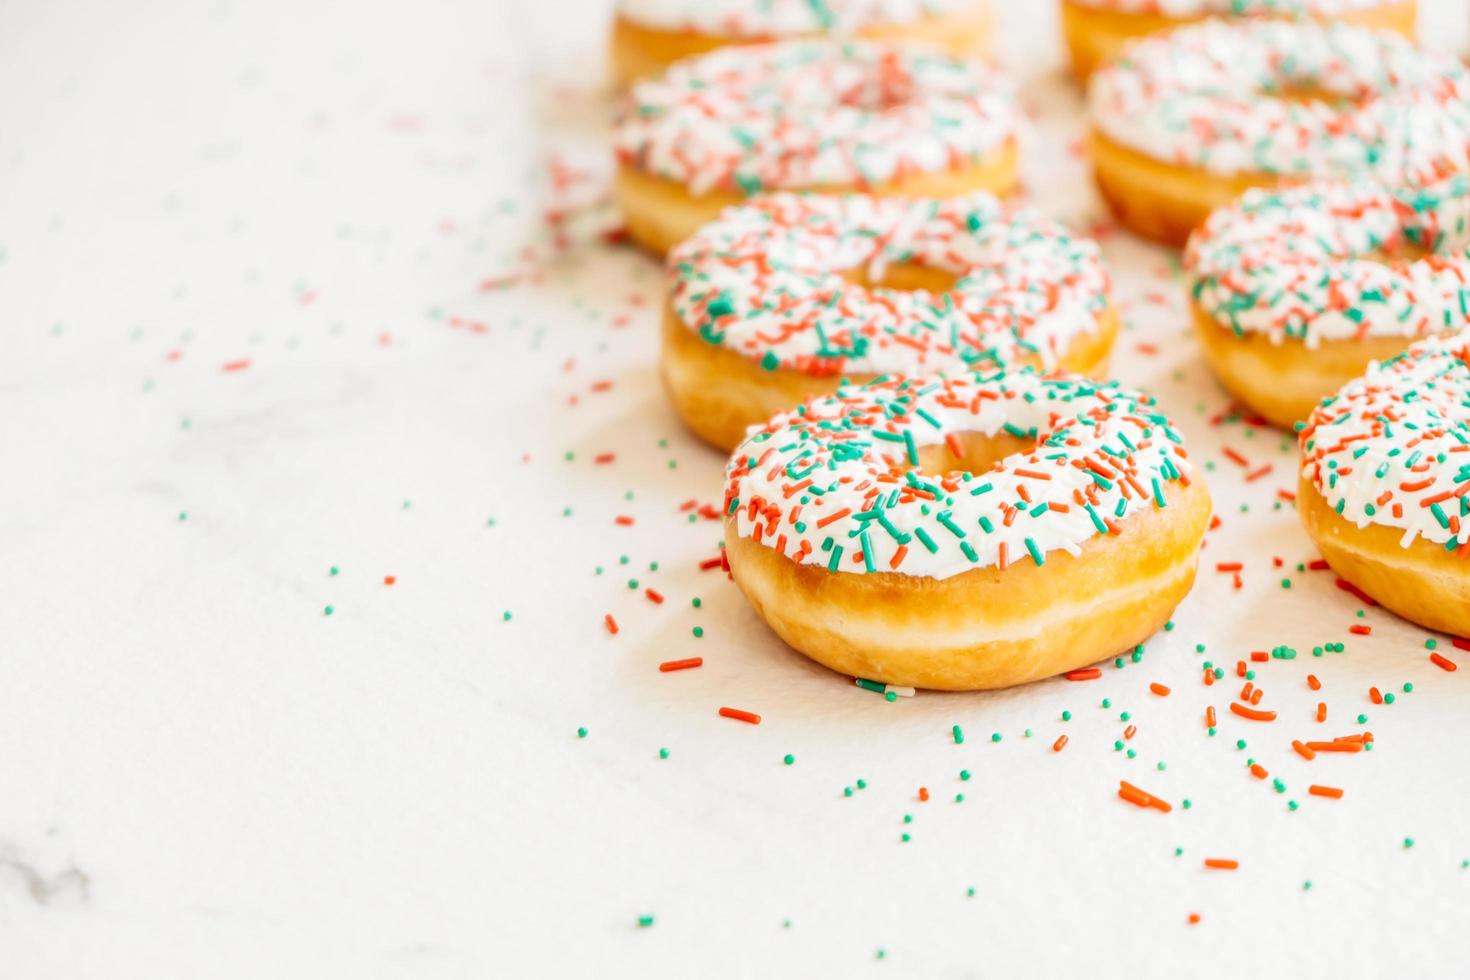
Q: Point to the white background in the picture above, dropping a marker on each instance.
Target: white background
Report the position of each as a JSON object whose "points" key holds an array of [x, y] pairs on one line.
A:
{"points": [[204, 775]]}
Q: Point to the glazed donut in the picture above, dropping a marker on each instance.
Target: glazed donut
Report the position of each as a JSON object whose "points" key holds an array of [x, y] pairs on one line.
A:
{"points": [[1187, 121], [650, 35], [1096, 31], [1385, 483], [965, 532], [899, 120], [1294, 292], [779, 298]]}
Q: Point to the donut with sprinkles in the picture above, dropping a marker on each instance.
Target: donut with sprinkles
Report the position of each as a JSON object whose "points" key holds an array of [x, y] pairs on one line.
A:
{"points": [[1185, 122], [1385, 482], [886, 119], [964, 531], [650, 35], [1294, 292], [782, 297], [1096, 31]]}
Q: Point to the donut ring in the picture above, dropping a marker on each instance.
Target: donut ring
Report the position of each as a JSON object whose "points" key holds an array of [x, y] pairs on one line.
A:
{"points": [[650, 35], [1385, 485], [1096, 31], [1186, 122], [964, 532], [778, 299], [1294, 292], [808, 115]]}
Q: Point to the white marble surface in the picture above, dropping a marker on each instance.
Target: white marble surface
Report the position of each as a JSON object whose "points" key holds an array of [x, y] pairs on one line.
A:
{"points": [[203, 775]]}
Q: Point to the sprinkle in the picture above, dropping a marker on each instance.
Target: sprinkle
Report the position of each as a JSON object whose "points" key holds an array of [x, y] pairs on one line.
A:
{"points": [[1254, 714], [685, 664], [1222, 864], [1331, 792], [739, 715]]}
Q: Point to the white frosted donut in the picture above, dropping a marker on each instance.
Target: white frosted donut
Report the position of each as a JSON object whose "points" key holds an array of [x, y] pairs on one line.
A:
{"points": [[831, 115], [779, 298], [1186, 120], [1295, 291], [964, 531], [765, 19], [650, 35], [1385, 482]]}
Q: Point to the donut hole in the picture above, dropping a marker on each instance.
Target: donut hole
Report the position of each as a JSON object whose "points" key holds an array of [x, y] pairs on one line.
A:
{"points": [[1314, 92], [979, 453], [908, 277], [888, 87]]}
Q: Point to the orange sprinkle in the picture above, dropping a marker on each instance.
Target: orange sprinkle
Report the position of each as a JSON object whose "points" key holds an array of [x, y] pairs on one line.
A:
{"points": [[654, 596], [1321, 710], [389, 579], [1194, 918], [1258, 770], [1254, 714], [623, 520], [923, 794], [1359, 629], [834, 516], [1159, 689], [1085, 674], [1222, 864], [684, 664], [1059, 744], [1303, 751], [1138, 797], [1313, 683], [1375, 695], [611, 624], [1210, 716], [739, 715], [1443, 663], [1331, 792], [1335, 746], [1129, 732]]}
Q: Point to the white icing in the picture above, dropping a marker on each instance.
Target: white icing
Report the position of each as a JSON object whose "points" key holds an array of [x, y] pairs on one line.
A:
{"points": [[1310, 263], [1025, 287], [1197, 97], [803, 114], [1402, 425], [828, 444]]}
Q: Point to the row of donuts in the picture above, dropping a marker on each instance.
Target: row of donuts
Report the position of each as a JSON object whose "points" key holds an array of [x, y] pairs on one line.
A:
{"points": [[650, 35], [908, 324]]}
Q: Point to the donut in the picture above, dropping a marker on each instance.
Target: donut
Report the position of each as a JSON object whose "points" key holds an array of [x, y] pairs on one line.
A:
{"points": [[1187, 121], [1096, 31], [896, 120], [782, 297], [1385, 482], [1294, 292], [650, 35], [964, 532]]}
